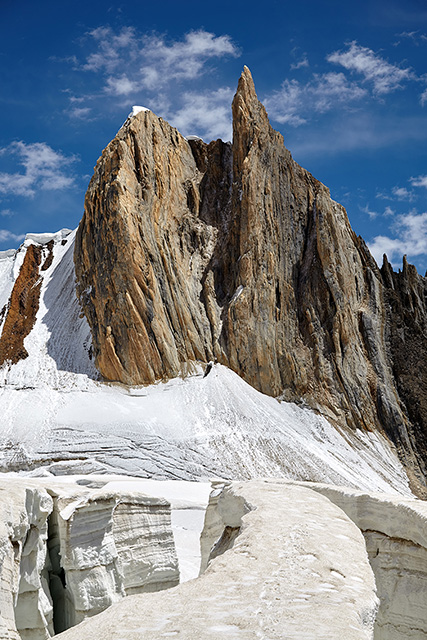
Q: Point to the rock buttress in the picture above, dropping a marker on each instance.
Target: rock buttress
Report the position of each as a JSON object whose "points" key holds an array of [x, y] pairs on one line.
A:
{"points": [[22, 308], [405, 295], [142, 250]]}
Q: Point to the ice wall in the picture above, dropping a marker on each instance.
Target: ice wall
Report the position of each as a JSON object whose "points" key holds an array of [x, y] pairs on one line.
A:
{"points": [[25, 605], [395, 532], [297, 569], [68, 553]]}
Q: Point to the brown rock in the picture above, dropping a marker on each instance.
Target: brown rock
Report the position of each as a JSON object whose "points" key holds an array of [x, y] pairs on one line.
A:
{"points": [[142, 250], [23, 307], [405, 296]]}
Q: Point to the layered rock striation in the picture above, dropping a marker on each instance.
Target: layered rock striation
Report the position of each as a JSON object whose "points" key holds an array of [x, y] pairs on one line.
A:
{"points": [[190, 251]]}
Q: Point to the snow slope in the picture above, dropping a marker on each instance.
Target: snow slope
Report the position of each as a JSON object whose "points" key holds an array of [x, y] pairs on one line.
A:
{"points": [[57, 415]]}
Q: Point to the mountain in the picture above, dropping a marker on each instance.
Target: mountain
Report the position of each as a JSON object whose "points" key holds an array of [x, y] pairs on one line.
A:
{"points": [[213, 317], [190, 253], [232, 252]]}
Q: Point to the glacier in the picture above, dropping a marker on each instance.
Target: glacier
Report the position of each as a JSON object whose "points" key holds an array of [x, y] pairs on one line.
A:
{"points": [[277, 558], [73, 545]]}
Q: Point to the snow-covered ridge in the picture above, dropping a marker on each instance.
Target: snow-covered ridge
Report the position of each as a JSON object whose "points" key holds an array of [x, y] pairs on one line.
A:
{"points": [[44, 238], [197, 427], [59, 345], [136, 109]]}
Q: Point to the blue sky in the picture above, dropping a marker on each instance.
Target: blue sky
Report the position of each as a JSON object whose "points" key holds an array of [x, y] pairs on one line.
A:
{"points": [[345, 83]]}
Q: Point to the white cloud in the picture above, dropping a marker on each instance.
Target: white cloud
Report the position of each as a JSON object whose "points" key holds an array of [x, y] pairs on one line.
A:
{"points": [[420, 181], [415, 36], [423, 97], [151, 61], [7, 213], [44, 169], [371, 214], [111, 48], [285, 105], [409, 238], [384, 76], [121, 86], [79, 113], [388, 211], [207, 115], [8, 236], [295, 101], [401, 193], [303, 63]]}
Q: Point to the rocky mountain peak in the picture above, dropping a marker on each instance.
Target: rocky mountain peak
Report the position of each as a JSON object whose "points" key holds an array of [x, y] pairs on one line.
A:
{"points": [[192, 252]]}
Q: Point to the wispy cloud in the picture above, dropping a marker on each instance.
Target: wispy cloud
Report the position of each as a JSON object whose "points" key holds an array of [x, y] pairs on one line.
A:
{"points": [[415, 36], [409, 237], [8, 236], [205, 114], [80, 113], [402, 193], [420, 181], [127, 67], [151, 61], [387, 213], [295, 101], [423, 97], [369, 212], [302, 63], [7, 213], [397, 193], [43, 168], [385, 77]]}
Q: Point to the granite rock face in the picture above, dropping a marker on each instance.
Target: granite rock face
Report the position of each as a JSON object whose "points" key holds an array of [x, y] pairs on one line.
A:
{"points": [[233, 252], [405, 297]]}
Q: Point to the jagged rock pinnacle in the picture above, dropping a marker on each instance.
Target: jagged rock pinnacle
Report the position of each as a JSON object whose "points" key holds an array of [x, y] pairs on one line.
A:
{"points": [[189, 251]]}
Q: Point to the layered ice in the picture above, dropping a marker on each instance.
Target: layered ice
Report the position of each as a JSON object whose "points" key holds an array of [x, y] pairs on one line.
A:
{"points": [[25, 604], [297, 569], [395, 532], [70, 549], [277, 556]]}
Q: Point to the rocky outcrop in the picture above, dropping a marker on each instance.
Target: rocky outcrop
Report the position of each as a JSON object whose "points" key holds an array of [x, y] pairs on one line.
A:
{"points": [[189, 251], [142, 251], [22, 308], [405, 297]]}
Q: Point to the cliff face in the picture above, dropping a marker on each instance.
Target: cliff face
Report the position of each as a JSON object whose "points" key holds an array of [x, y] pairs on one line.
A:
{"points": [[189, 251], [405, 297], [143, 248]]}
